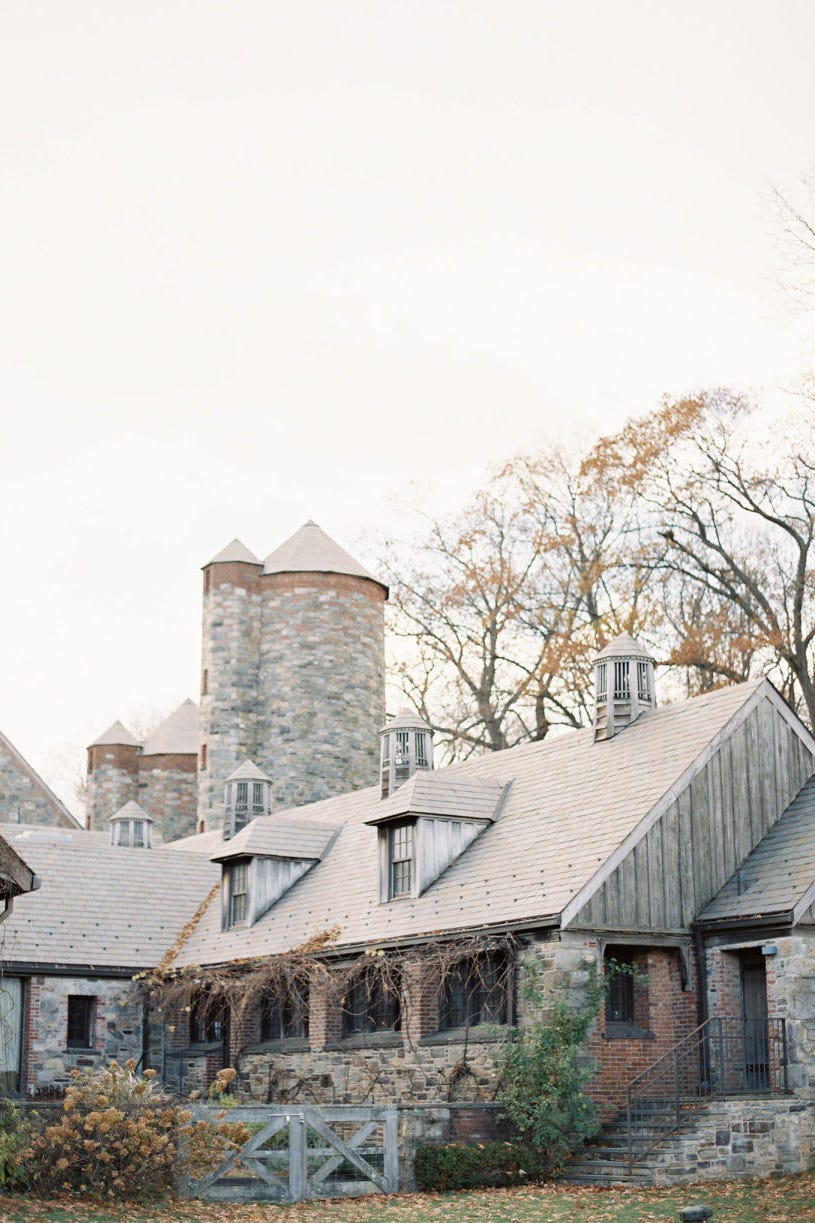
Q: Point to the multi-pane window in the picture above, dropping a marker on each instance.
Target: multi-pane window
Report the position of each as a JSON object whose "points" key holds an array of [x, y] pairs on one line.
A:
{"points": [[284, 1014], [257, 798], [238, 892], [602, 688], [400, 854], [475, 991], [622, 689], [371, 1004], [81, 1012], [138, 833], [643, 687], [207, 1021], [422, 761], [620, 989]]}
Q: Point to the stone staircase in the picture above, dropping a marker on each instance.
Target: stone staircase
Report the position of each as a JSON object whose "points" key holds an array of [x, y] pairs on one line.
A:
{"points": [[603, 1160]]}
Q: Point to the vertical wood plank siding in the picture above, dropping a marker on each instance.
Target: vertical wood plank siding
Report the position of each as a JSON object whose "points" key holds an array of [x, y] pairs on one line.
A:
{"points": [[705, 835]]}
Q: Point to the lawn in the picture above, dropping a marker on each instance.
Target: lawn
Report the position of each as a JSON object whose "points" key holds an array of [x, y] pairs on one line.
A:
{"points": [[773, 1201]]}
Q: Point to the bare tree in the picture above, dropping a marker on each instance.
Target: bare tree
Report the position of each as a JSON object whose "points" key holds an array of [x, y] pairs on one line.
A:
{"points": [[719, 516]]}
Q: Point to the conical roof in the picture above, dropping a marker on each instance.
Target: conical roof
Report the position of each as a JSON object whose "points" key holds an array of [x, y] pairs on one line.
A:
{"points": [[310, 550], [131, 811], [625, 646], [116, 735], [248, 772], [235, 551], [406, 719], [177, 735]]}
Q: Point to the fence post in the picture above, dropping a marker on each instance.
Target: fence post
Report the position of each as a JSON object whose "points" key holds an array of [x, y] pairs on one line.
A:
{"points": [[784, 1058], [298, 1173], [390, 1137]]}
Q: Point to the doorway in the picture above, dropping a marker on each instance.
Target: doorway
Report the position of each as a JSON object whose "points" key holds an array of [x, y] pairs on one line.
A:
{"points": [[756, 1041]]}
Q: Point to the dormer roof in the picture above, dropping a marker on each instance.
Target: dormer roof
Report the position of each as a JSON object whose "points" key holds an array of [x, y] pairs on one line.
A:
{"points": [[624, 646], [276, 837], [310, 550], [248, 772], [443, 796], [234, 551], [131, 811], [116, 735], [177, 735]]}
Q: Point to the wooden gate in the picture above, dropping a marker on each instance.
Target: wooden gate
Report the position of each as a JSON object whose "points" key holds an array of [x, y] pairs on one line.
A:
{"points": [[306, 1152]]}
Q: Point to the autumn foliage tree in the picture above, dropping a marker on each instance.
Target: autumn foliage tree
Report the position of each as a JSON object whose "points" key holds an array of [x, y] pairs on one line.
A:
{"points": [[686, 528]]}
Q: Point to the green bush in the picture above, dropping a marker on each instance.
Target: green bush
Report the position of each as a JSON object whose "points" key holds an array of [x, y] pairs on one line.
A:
{"points": [[490, 1165], [14, 1138], [121, 1136]]}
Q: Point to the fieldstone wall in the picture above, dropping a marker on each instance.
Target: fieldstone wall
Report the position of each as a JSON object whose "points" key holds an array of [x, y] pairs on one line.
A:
{"points": [[48, 1061], [168, 791], [791, 995], [321, 684], [741, 1137], [230, 651], [24, 796]]}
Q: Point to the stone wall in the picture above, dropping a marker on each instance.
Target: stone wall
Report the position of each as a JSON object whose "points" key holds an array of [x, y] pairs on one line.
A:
{"points": [[230, 651], [24, 796], [791, 996], [168, 791], [117, 1028], [745, 1136]]}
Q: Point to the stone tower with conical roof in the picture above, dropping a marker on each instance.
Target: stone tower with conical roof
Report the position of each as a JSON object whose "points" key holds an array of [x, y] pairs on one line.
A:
{"points": [[293, 673]]}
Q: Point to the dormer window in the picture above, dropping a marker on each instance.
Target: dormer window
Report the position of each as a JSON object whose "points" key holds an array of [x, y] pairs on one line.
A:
{"points": [[238, 887], [400, 854]]}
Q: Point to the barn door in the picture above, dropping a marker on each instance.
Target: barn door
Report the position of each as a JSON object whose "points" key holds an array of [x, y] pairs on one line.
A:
{"points": [[754, 1015]]}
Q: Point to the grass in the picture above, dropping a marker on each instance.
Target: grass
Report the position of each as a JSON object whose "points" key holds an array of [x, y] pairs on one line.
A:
{"points": [[782, 1200]]}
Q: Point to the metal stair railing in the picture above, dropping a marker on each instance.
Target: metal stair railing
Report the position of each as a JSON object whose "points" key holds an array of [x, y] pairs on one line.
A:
{"points": [[723, 1056]]}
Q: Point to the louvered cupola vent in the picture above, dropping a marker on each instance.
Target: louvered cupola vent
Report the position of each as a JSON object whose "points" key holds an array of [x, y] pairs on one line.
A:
{"points": [[131, 826], [407, 746], [623, 686], [247, 794]]}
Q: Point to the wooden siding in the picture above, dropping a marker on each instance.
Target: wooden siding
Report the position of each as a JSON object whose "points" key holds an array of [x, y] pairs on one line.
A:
{"points": [[705, 835], [439, 842]]}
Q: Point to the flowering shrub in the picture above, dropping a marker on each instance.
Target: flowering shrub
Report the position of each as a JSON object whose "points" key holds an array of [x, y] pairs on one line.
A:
{"points": [[121, 1136]]}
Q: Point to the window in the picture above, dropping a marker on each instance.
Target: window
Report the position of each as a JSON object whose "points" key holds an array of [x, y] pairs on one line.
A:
{"points": [[475, 991], [204, 682], [284, 1015], [643, 687], [622, 989], [241, 804], [400, 860], [401, 757], [371, 1004], [258, 806], [238, 883], [11, 1033], [422, 761], [203, 755], [81, 1013], [622, 690], [138, 834], [601, 681], [207, 1021]]}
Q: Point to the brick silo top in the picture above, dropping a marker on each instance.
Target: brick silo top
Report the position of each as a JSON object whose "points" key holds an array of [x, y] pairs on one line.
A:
{"points": [[310, 550]]}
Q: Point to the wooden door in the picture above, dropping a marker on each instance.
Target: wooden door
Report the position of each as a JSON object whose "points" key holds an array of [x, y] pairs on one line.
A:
{"points": [[754, 1015]]}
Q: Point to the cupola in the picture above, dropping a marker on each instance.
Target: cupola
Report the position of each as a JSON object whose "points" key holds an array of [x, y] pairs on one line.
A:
{"points": [[131, 826], [623, 685], [407, 745], [247, 794]]}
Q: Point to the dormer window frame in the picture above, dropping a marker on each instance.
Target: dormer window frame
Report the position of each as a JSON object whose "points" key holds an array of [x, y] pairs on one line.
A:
{"points": [[401, 838], [237, 884]]}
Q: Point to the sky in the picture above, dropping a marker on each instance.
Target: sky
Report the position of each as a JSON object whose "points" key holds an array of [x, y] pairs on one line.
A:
{"points": [[264, 262]]}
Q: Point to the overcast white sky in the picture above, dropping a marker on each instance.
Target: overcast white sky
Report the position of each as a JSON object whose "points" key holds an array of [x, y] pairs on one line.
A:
{"points": [[264, 261]]}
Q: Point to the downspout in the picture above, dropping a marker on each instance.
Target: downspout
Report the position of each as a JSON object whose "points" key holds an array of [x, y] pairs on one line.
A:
{"points": [[701, 975]]}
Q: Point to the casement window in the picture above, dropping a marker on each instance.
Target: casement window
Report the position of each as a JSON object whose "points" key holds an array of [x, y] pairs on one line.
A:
{"points": [[475, 991], [81, 1016], [401, 841], [238, 888], [207, 1021], [371, 1004], [284, 1014]]}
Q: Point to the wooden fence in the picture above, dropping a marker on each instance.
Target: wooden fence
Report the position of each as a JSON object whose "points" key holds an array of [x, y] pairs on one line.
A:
{"points": [[306, 1152]]}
